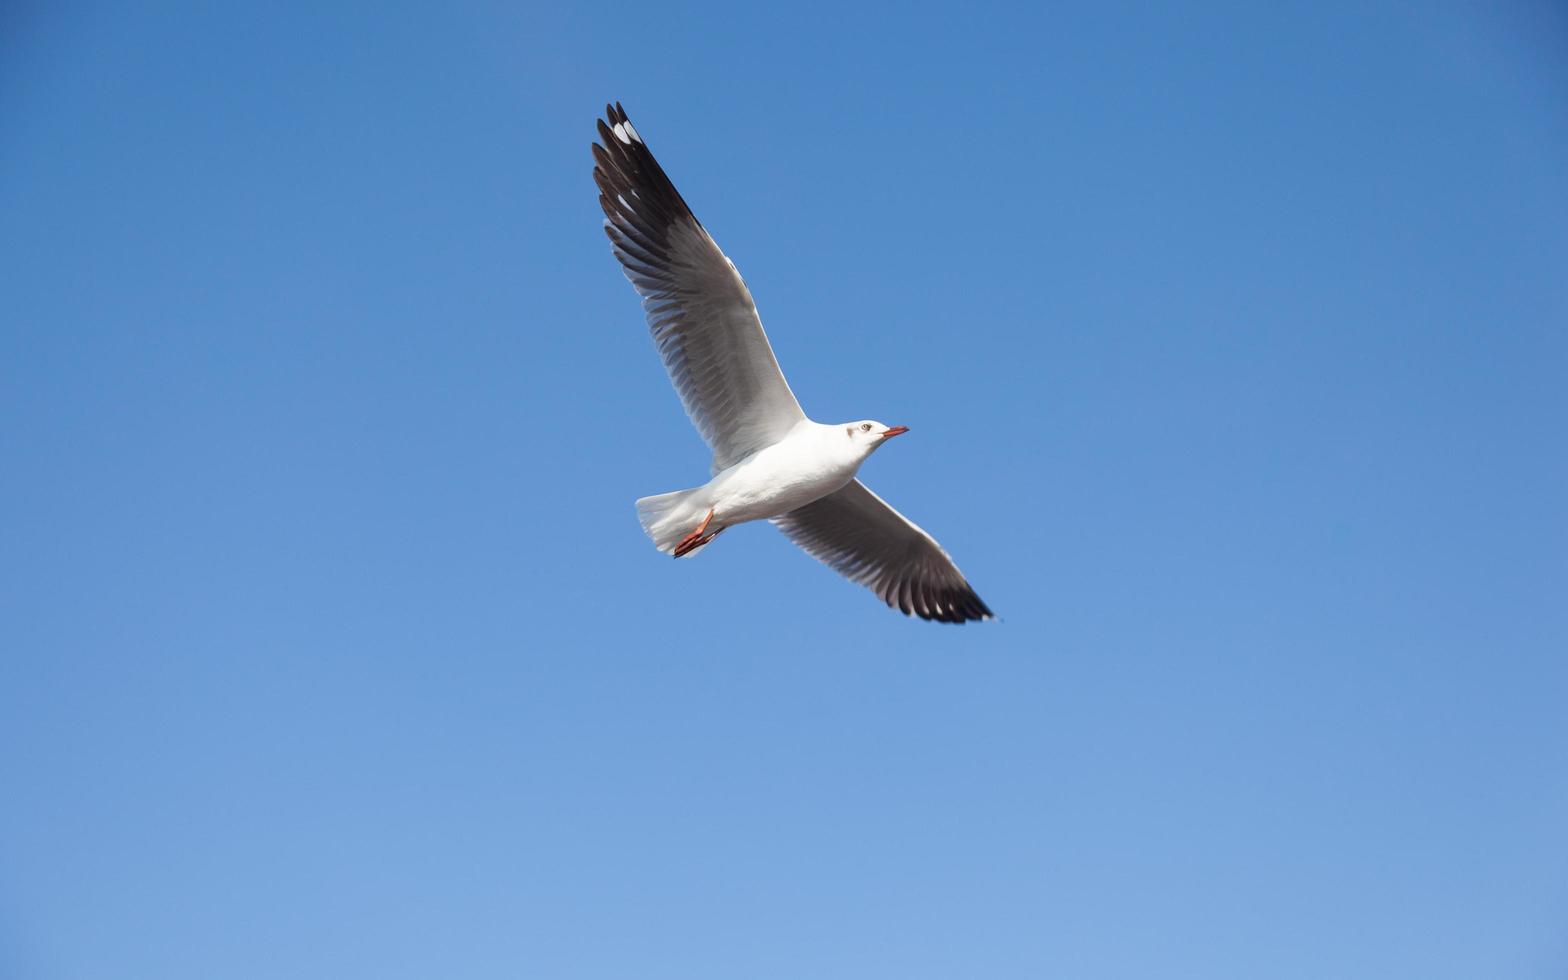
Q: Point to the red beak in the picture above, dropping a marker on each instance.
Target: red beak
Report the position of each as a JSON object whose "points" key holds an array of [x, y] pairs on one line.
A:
{"points": [[896, 430]]}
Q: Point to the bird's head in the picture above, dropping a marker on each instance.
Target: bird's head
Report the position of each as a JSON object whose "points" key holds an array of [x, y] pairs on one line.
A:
{"points": [[865, 436]]}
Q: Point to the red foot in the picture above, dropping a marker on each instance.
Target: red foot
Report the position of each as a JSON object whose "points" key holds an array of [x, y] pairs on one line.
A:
{"points": [[695, 539]]}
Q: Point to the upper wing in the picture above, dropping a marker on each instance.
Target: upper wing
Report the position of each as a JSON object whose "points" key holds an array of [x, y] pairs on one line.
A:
{"points": [[855, 532], [698, 309]]}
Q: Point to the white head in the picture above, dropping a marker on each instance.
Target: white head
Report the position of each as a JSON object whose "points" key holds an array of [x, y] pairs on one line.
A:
{"points": [[866, 435]]}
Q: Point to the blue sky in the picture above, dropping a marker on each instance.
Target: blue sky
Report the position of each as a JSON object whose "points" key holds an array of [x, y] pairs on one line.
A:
{"points": [[1232, 341]]}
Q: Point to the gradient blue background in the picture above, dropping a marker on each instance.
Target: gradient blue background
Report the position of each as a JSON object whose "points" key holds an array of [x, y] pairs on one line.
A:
{"points": [[1233, 342]]}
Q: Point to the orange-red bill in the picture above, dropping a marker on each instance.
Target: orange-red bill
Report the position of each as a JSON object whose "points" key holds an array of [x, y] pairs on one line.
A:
{"points": [[896, 430]]}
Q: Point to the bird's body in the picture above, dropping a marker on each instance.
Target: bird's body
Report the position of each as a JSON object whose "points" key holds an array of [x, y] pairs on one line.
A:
{"points": [[810, 462], [770, 462]]}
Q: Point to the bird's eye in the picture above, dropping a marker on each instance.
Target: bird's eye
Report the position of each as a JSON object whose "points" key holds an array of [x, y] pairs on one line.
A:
{"points": [[865, 427]]}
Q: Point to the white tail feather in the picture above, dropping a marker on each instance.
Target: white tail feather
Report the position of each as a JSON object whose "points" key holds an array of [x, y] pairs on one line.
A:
{"points": [[668, 517]]}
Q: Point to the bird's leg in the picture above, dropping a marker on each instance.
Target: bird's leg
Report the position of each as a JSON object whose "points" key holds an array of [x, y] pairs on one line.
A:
{"points": [[695, 540]]}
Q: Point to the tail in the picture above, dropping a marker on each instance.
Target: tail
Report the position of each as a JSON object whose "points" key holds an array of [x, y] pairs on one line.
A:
{"points": [[669, 517]]}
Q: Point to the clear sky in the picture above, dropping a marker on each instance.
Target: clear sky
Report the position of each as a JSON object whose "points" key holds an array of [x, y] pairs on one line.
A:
{"points": [[1232, 339]]}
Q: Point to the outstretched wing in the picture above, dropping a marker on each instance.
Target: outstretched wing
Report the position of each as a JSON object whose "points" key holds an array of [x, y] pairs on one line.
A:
{"points": [[698, 308], [856, 533]]}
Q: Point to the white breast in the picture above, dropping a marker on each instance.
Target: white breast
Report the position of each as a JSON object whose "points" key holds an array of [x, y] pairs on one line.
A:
{"points": [[805, 466]]}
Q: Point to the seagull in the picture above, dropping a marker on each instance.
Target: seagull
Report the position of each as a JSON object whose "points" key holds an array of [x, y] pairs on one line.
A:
{"points": [[770, 462]]}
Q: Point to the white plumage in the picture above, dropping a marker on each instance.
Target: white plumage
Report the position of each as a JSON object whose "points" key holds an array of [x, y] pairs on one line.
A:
{"points": [[770, 462]]}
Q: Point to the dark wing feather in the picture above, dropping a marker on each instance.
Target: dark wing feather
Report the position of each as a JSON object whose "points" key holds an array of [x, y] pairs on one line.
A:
{"points": [[856, 533], [698, 308]]}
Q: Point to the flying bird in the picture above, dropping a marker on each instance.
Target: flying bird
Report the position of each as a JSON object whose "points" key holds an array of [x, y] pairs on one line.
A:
{"points": [[770, 462]]}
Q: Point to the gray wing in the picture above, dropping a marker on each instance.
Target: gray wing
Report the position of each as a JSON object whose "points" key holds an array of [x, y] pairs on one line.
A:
{"points": [[856, 533], [698, 308]]}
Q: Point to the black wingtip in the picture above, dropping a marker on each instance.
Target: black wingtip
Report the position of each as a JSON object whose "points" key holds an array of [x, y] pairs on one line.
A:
{"points": [[958, 609]]}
